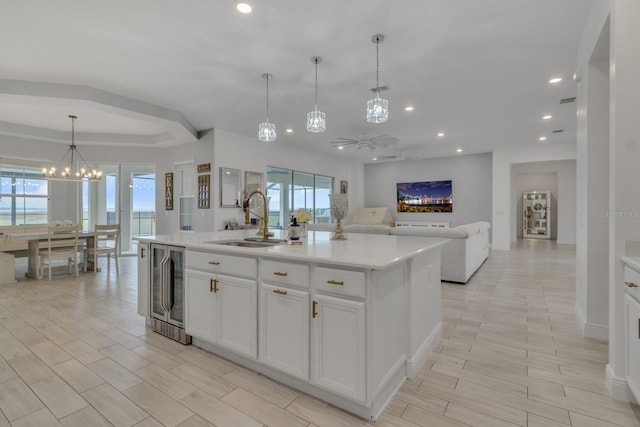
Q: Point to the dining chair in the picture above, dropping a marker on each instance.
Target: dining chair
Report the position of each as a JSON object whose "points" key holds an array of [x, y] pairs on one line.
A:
{"points": [[62, 244], [105, 242]]}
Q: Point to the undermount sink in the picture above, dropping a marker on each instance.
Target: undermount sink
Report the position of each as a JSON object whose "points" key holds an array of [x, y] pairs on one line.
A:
{"points": [[247, 244]]}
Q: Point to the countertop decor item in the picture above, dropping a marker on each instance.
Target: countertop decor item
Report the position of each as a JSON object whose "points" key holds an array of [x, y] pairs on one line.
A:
{"points": [[339, 207]]}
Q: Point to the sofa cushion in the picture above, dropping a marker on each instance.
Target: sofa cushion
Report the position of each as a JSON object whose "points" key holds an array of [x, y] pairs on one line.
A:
{"points": [[363, 228], [445, 232], [474, 227]]}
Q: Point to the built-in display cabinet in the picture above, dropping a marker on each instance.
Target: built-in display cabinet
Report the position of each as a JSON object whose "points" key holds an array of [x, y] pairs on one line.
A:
{"points": [[536, 214]]}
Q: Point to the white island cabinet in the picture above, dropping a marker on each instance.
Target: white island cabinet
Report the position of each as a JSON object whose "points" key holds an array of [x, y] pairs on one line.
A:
{"points": [[345, 321]]}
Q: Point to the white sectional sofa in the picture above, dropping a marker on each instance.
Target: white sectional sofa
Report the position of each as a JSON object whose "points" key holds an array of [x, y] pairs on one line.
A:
{"points": [[463, 254]]}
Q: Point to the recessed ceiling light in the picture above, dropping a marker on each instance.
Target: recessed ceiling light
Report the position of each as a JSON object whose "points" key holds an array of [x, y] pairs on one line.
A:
{"points": [[440, 133], [459, 150], [542, 138], [340, 147], [555, 80], [408, 108], [547, 117], [374, 159], [289, 130], [243, 7]]}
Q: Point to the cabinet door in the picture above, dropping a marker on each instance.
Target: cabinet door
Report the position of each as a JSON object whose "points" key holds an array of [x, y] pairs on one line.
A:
{"points": [[237, 320], [200, 305], [157, 278], [143, 279], [338, 346], [284, 329], [633, 345]]}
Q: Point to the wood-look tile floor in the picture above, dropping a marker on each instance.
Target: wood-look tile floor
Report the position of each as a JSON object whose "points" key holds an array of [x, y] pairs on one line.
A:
{"points": [[74, 352]]}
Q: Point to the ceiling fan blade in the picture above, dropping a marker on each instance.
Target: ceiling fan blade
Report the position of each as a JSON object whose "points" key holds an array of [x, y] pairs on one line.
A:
{"points": [[385, 140]]}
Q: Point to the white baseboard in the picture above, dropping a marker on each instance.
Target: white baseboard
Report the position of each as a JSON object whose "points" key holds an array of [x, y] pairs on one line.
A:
{"points": [[590, 330], [415, 362], [617, 386]]}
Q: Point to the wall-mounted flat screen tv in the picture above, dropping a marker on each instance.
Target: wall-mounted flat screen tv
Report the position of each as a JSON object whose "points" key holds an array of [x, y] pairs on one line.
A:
{"points": [[427, 196]]}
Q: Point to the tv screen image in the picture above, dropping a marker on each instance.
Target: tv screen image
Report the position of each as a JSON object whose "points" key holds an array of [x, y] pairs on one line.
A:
{"points": [[426, 196]]}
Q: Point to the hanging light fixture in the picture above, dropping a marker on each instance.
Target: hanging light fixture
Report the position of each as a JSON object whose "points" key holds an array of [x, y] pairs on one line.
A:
{"points": [[316, 119], [377, 108], [77, 169], [267, 130]]}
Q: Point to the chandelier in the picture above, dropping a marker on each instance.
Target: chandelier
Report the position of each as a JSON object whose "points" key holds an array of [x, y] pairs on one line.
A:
{"points": [[377, 108], [266, 130], [76, 169], [316, 119]]}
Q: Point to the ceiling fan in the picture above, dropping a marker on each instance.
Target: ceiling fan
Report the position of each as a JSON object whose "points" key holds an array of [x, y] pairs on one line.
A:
{"points": [[380, 141]]}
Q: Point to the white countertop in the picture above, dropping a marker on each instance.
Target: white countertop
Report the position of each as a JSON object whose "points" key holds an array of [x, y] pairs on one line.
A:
{"points": [[631, 261], [371, 251]]}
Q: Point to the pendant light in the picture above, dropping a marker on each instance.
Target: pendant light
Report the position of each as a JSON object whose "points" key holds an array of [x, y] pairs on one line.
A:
{"points": [[267, 130], [316, 119], [377, 108], [77, 169]]}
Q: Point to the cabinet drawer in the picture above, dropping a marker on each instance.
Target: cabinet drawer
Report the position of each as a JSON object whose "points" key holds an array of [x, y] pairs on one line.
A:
{"points": [[632, 277], [342, 282], [222, 263], [286, 273]]}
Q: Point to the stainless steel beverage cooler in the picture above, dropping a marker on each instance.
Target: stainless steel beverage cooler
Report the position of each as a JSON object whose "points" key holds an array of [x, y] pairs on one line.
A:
{"points": [[167, 292]]}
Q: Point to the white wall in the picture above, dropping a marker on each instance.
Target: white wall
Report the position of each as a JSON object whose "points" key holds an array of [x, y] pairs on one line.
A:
{"points": [[228, 149], [560, 177], [504, 194], [471, 184], [624, 144]]}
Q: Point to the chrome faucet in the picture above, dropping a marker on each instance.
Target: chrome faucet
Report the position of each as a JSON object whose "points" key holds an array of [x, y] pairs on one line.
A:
{"points": [[264, 221]]}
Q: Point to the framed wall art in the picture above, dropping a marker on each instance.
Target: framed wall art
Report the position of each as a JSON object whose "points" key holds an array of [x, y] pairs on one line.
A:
{"points": [[427, 196], [168, 191], [204, 191]]}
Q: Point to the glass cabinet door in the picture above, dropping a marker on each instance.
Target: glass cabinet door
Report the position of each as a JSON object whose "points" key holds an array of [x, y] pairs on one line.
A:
{"points": [[175, 278], [158, 254]]}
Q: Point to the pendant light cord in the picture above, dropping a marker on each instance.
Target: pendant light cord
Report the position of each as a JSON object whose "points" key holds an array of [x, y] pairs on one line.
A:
{"points": [[316, 61], [267, 78], [377, 65]]}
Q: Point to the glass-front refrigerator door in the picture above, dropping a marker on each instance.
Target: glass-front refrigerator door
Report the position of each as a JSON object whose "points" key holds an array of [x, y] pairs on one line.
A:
{"points": [[158, 271], [175, 286]]}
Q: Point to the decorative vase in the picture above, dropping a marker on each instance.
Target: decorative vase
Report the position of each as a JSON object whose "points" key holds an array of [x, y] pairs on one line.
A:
{"points": [[339, 205], [303, 230]]}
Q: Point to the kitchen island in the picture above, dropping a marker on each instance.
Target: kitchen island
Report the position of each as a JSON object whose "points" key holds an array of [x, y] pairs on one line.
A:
{"points": [[345, 321]]}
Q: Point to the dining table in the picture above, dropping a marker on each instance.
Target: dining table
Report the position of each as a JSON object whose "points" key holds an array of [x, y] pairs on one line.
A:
{"points": [[33, 248]]}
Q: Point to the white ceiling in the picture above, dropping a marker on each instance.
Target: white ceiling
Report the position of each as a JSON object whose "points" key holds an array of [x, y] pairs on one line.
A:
{"points": [[477, 70]]}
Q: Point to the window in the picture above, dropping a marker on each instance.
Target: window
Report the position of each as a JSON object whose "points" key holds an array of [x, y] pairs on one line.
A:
{"points": [[186, 196], [289, 190], [24, 196]]}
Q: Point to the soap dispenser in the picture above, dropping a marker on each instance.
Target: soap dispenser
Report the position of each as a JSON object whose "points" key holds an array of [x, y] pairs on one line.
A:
{"points": [[294, 230]]}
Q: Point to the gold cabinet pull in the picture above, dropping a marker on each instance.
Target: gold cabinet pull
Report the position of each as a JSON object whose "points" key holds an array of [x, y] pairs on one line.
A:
{"points": [[279, 292], [141, 252], [335, 282], [210, 285], [631, 284], [279, 273], [314, 313], [213, 285], [214, 263]]}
